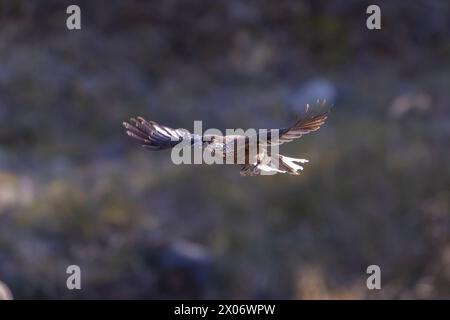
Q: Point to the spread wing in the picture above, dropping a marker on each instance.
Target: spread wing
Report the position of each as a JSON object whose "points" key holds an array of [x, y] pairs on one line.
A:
{"points": [[300, 127], [155, 136], [306, 124], [233, 143]]}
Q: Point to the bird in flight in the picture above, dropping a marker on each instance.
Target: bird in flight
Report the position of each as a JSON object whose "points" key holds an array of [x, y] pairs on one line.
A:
{"points": [[255, 152]]}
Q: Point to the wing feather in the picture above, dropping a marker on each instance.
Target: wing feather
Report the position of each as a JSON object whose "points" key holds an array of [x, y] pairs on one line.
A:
{"points": [[153, 135], [300, 127]]}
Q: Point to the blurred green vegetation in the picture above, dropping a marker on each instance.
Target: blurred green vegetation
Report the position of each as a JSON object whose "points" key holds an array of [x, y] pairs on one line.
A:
{"points": [[75, 190]]}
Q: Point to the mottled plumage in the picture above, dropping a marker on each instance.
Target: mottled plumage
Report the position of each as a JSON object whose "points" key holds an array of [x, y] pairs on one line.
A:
{"points": [[255, 152]]}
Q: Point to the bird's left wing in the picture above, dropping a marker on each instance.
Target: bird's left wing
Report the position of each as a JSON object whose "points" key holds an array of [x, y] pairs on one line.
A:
{"points": [[155, 136], [300, 127], [306, 124]]}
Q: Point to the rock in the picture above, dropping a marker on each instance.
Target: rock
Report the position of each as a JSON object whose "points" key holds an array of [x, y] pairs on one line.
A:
{"points": [[186, 270], [407, 102]]}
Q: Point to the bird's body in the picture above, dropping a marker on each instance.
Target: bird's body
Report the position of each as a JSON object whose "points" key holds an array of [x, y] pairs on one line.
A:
{"points": [[255, 152]]}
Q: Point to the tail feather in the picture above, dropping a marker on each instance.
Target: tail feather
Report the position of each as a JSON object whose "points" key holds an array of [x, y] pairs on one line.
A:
{"points": [[290, 165], [269, 166]]}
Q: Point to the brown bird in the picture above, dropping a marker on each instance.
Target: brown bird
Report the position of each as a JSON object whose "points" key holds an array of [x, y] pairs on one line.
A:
{"points": [[255, 151]]}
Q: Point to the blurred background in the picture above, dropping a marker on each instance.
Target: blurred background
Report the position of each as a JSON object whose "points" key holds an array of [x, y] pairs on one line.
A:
{"points": [[74, 189]]}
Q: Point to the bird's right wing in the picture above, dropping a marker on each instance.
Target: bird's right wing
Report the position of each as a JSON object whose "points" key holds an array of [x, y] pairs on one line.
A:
{"points": [[155, 136]]}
